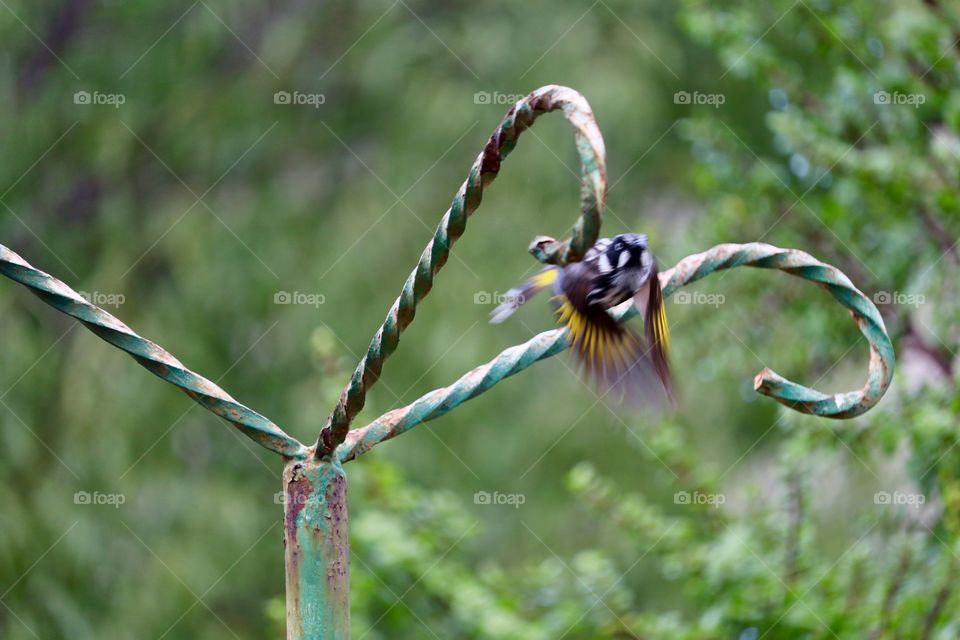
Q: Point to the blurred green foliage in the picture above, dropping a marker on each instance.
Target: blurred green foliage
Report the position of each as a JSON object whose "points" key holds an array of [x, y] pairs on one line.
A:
{"points": [[201, 197]]}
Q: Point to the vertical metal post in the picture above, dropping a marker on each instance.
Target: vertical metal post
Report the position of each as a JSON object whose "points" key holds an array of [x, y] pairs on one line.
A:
{"points": [[316, 550]]}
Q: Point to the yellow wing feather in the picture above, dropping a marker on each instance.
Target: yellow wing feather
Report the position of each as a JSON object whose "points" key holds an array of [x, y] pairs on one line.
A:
{"points": [[545, 278], [596, 347], [661, 329]]}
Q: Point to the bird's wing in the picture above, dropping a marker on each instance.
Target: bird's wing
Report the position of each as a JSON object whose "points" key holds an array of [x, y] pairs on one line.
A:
{"points": [[613, 356], [517, 296]]}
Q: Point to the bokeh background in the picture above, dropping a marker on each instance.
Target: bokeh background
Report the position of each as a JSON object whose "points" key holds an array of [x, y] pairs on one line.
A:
{"points": [[150, 162]]}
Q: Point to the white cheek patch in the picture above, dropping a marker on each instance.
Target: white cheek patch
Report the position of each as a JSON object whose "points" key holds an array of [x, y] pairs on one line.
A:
{"points": [[604, 264], [624, 259]]}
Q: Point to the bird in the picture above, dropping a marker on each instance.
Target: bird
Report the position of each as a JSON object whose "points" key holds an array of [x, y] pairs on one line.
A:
{"points": [[614, 356]]}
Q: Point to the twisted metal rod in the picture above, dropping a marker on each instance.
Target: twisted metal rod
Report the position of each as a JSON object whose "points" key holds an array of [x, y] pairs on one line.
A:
{"points": [[441, 401], [725, 256], [486, 167], [149, 355]]}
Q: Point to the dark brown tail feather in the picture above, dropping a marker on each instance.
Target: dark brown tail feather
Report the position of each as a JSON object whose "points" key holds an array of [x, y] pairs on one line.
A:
{"points": [[655, 339]]}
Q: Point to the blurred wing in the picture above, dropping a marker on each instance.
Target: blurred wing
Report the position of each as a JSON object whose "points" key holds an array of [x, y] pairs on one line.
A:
{"points": [[656, 328], [517, 296], [612, 356]]}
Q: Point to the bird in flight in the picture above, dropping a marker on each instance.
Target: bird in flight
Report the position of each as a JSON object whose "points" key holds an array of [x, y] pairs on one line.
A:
{"points": [[614, 356]]}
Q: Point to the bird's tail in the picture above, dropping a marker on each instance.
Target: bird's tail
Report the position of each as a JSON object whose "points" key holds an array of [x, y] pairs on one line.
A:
{"points": [[612, 356], [517, 296]]}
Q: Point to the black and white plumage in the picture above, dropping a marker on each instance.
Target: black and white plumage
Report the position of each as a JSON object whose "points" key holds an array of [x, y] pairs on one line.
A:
{"points": [[613, 271]]}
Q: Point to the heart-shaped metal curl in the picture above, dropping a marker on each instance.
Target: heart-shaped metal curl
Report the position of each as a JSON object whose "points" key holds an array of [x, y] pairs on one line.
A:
{"points": [[593, 196]]}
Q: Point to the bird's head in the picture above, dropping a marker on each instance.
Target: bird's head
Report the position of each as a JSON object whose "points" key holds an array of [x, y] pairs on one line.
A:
{"points": [[629, 251]]}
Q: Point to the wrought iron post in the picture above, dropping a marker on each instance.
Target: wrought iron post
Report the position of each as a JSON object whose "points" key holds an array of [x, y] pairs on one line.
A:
{"points": [[317, 549]]}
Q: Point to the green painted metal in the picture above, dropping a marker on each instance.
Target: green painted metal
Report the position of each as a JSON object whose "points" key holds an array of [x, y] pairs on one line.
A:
{"points": [[803, 265], [315, 487], [149, 355], [316, 550], [441, 401]]}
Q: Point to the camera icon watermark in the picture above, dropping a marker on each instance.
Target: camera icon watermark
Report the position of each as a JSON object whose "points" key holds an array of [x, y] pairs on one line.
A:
{"points": [[698, 498], [299, 298], [495, 97], [698, 297], [102, 299], [96, 498], [899, 498], [897, 98], [697, 98], [496, 498], [96, 98], [899, 298], [298, 98]]}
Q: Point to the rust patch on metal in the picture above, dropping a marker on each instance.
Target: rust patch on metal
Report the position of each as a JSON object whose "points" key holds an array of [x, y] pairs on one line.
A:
{"points": [[336, 516], [297, 492], [491, 155]]}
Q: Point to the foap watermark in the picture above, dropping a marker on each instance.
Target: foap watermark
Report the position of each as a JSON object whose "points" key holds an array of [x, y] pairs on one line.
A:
{"points": [[899, 498], [698, 297], [299, 98], [899, 298], [711, 99], [281, 497], [897, 98], [486, 97], [96, 98], [711, 499], [102, 299], [96, 498], [496, 498], [495, 297], [299, 298]]}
